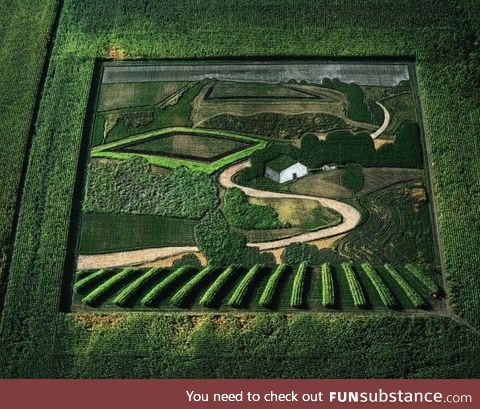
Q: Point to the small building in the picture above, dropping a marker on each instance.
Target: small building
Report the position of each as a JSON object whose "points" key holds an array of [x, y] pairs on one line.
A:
{"points": [[329, 167], [284, 169]]}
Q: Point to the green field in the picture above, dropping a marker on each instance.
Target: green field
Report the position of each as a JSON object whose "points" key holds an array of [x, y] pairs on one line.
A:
{"points": [[40, 336], [115, 96], [223, 90], [132, 232], [19, 105]]}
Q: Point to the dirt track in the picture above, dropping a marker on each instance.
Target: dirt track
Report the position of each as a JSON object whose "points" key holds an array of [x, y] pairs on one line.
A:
{"points": [[350, 219], [350, 215], [386, 122]]}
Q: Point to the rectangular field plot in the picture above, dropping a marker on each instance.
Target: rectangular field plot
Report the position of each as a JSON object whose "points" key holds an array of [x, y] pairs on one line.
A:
{"points": [[259, 186], [193, 146]]}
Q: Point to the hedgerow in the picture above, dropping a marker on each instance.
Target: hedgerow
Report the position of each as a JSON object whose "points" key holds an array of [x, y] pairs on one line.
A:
{"points": [[268, 293], [328, 291], [422, 276], [238, 296], [240, 213], [357, 107], [151, 296], [412, 294], [382, 290], [189, 259], [297, 297], [211, 294], [297, 253], [354, 285], [127, 293], [406, 151], [93, 297], [222, 246]]}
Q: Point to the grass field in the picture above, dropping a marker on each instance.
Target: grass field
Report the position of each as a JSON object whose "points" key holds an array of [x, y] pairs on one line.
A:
{"points": [[306, 214], [115, 96], [108, 233], [238, 90], [195, 146], [40, 339]]}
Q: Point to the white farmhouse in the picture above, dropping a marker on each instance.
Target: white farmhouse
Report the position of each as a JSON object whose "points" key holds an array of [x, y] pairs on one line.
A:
{"points": [[283, 169]]}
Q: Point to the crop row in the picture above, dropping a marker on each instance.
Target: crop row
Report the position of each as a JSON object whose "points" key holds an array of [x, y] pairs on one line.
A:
{"points": [[354, 285], [382, 290], [296, 299], [181, 295], [240, 292], [422, 276], [266, 298], [328, 291], [211, 294], [94, 285], [98, 292], [416, 300], [124, 296], [163, 285]]}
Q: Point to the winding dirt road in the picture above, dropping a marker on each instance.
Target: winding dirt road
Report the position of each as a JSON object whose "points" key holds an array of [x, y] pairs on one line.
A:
{"points": [[350, 215], [350, 219], [386, 122]]}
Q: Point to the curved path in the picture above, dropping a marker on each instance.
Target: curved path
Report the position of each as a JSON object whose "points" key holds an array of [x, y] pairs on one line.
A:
{"points": [[350, 219], [386, 122], [350, 215]]}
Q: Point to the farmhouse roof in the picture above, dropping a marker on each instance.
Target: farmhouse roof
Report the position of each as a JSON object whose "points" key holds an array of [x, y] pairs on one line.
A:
{"points": [[280, 163]]}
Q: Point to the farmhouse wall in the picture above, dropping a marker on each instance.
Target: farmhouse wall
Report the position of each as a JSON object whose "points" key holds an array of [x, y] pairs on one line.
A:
{"points": [[272, 174], [295, 171]]}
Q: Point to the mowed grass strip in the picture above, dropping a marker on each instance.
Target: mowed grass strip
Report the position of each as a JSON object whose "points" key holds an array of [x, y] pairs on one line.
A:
{"points": [[163, 285], [92, 278], [412, 294], [266, 298], [211, 294], [297, 298], [238, 297], [381, 288], [181, 295], [328, 290], [354, 285], [124, 296], [93, 297]]}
